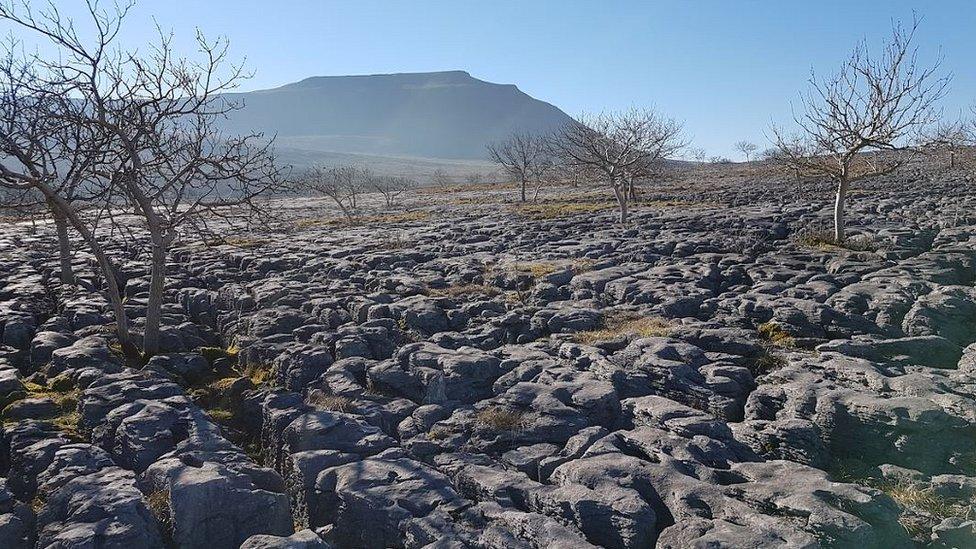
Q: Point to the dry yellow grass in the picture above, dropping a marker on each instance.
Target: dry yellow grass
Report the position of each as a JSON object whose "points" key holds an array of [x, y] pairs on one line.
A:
{"points": [[536, 269], [556, 210], [68, 418], [823, 240], [539, 269], [922, 500], [159, 506], [625, 324], [500, 419], [438, 433], [333, 403], [220, 415], [38, 502], [214, 353], [916, 496], [257, 373], [775, 335]]}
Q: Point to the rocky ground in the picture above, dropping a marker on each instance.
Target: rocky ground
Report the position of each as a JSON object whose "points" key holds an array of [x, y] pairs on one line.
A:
{"points": [[471, 373]]}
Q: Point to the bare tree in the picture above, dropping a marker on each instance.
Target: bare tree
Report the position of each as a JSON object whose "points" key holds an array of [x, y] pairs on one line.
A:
{"points": [[870, 104], [620, 147], [523, 157], [746, 148], [441, 179], [949, 137], [156, 113], [46, 157], [343, 184], [473, 178], [697, 154], [391, 187], [35, 147]]}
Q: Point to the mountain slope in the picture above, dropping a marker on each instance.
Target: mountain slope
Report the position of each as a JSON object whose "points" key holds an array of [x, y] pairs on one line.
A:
{"points": [[434, 115]]}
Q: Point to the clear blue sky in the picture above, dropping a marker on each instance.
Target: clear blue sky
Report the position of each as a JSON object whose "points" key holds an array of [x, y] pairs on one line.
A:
{"points": [[727, 69]]}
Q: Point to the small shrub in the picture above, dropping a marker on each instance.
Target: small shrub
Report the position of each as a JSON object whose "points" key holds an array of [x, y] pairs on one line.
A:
{"points": [[767, 362], [626, 325], [500, 419], [775, 335]]}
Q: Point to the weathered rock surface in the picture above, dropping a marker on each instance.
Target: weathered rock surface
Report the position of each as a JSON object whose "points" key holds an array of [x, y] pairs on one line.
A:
{"points": [[483, 378]]}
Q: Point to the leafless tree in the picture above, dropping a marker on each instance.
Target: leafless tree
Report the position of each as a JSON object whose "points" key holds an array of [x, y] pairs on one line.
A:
{"points": [[47, 160], [947, 136], [441, 179], [473, 178], [619, 146], [35, 147], [697, 154], [156, 112], [343, 184], [569, 173], [871, 104], [746, 148], [523, 157], [391, 187]]}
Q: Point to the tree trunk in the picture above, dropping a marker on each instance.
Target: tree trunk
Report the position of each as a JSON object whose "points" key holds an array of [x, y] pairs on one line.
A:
{"points": [[64, 247], [523, 190], [154, 307], [67, 212], [632, 190], [621, 194], [952, 159], [839, 211], [129, 350]]}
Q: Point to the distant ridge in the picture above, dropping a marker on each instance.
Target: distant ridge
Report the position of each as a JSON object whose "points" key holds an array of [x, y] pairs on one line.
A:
{"points": [[446, 114]]}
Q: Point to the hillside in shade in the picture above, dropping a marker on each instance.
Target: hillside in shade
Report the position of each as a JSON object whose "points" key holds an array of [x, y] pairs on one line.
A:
{"points": [[433, 115]]}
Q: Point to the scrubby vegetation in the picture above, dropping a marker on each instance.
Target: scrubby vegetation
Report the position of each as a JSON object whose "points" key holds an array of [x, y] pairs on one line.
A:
{"points": [[775, 335], [500, 419], [824, 240], [557, 210], [624, 324]]}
